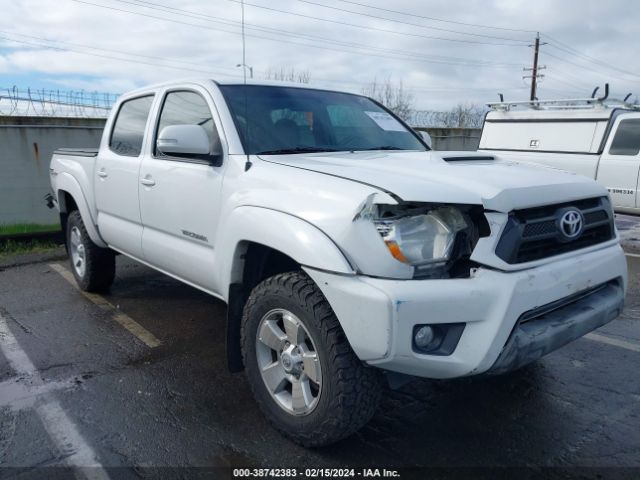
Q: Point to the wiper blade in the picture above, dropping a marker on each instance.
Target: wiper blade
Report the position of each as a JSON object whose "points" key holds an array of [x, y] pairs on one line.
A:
{"points": [[381, 147], [284, 151]]}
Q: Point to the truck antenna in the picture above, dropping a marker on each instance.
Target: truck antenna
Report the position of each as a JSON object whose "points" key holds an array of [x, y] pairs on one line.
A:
{"points": [[248, 163]]}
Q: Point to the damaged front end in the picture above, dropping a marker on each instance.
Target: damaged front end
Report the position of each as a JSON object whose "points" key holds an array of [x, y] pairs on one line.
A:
{"points": [[415, 240]]}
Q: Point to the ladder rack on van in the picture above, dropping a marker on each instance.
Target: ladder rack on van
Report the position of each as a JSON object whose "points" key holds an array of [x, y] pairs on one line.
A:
{"points": [[564, 104], [568, 104]]}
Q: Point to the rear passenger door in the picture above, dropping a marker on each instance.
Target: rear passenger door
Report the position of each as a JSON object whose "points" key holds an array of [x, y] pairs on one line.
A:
{"points": [[619, 167], [116, 177], [180, 197]]}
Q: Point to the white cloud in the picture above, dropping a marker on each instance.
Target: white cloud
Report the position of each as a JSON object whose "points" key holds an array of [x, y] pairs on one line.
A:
{"points": [[603, 30]]}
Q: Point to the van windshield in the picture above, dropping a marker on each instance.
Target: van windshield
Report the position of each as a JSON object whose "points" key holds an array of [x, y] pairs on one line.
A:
{"points": [[275, 120]]}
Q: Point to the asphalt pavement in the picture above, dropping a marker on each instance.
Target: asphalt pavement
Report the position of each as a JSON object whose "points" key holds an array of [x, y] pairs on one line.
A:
{"points": [[135, 380]]}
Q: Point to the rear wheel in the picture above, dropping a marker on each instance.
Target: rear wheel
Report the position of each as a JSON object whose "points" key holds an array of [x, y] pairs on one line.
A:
{"points": [[300, 366], [93, 267]]}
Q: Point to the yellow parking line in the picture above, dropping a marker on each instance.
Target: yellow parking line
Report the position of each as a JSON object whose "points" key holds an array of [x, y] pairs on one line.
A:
{"points": [[144, 335], [613, 341]]}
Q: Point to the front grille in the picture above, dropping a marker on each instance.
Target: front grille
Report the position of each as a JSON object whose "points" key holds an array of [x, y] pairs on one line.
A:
{"points": [[534, 233]]}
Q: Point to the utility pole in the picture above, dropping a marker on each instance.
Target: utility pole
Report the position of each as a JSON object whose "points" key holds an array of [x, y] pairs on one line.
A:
{"points": [[535, 69], [534, 74]]}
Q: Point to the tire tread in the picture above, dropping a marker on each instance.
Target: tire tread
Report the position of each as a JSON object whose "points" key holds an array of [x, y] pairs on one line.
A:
{"points": [[100, 262], [357, 386]]}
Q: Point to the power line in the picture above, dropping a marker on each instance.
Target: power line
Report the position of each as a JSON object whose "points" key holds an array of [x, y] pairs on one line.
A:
{"points": [[197, 64], [344, 10], [434, 19], [369, 28], [554, 43], [66, 49], [275, 31], [577, 81], [584, 67], [568, 49], [399, 55], [555, 78], [51, 47]]}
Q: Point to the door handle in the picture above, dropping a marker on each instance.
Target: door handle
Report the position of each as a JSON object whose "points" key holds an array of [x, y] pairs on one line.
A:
{"points": [[148, 182], [102, 173]]}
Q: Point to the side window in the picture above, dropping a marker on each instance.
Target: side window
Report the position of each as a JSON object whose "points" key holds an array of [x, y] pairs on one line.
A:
{"points": [[627, 139], [187, 108], [128, 129]]}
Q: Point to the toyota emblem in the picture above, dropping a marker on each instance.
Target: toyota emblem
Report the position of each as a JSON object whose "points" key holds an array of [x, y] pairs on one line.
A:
{"points": [[571, 224]]}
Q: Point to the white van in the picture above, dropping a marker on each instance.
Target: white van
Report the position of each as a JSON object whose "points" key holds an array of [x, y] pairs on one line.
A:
{"points": [[598, 138]]}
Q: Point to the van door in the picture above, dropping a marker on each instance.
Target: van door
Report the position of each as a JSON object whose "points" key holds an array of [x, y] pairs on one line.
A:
{"points": [[180, 197], [620, 163], [116, 177]]}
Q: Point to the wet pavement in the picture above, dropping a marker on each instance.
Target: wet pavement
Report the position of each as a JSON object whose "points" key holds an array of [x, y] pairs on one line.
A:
{"points": [[77, 387], [629, 229]]}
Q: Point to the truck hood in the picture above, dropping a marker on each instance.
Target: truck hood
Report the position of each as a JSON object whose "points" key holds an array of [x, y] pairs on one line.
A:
{"points": [[450, 177]]}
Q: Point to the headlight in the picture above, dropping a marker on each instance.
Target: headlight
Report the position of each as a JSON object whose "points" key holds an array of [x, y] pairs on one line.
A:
{"points": [[424, 239]]}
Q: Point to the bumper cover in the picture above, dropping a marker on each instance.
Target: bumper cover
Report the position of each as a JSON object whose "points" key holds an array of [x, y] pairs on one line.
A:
{"points": [[550, 327], [378, 315]]}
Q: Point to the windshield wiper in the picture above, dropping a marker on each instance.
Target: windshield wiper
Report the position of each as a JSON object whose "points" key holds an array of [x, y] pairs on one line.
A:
{"points": [[284, 151], [382, 147]]}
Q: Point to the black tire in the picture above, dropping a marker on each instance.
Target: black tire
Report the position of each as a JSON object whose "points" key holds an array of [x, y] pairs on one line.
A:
{"points": [[99, 263], [350, 391]]}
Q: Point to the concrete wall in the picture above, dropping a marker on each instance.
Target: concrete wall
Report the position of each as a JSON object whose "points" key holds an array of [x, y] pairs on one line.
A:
{"points": [[26, 146], [454, 138], [27, 143]]}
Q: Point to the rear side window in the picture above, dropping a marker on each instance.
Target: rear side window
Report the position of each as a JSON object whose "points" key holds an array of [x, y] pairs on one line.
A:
{"points": [[627, 139], [128, 130], [187, 108]]}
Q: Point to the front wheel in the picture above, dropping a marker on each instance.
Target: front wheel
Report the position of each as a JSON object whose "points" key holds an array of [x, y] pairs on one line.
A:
{"points": [[93, 267], [302, 370]]}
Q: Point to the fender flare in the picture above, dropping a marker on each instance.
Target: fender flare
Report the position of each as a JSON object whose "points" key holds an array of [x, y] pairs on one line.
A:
{"points": [[67, 183], [293, 236]]}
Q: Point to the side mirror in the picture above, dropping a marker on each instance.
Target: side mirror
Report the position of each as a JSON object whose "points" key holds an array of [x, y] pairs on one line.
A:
{"points": [[426, 138], [189, 141]]}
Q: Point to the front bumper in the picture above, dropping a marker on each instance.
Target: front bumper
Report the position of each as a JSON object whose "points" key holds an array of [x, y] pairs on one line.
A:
{"points": [[378, 315]]}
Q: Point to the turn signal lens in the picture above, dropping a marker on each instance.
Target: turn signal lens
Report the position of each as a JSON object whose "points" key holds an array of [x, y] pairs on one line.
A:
{"points": [[395, 251]]}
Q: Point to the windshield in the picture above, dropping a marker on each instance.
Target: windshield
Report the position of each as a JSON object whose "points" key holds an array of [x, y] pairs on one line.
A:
{"points": [[281, 120]]}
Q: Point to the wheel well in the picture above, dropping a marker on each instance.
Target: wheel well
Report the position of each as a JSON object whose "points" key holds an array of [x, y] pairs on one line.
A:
{"points": [[261, 262], [257, 262]]}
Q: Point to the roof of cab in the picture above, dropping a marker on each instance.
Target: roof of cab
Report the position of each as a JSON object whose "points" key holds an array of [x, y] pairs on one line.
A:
{"points": [[208, 81]]}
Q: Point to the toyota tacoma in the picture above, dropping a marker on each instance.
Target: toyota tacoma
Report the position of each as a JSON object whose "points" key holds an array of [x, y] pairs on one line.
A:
{"points": [[348, 252]]}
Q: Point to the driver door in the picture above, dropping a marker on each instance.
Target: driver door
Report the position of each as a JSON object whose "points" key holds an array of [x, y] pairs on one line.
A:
{"points": [[180, 197]]}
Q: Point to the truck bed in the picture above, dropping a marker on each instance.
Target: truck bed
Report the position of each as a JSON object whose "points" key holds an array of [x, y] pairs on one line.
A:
{"points": [[77, 152]]}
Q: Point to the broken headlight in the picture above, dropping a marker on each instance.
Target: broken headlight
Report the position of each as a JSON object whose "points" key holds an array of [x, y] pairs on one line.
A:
{"points": [[424, 239]]}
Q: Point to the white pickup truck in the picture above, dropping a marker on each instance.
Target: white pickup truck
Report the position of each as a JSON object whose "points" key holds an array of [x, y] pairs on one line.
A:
{"points": [[346, 250], [598, 138]]}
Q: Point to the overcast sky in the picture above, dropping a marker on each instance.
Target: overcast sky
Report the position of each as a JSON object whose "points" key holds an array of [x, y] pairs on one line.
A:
{"points": [[432, 46]]}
